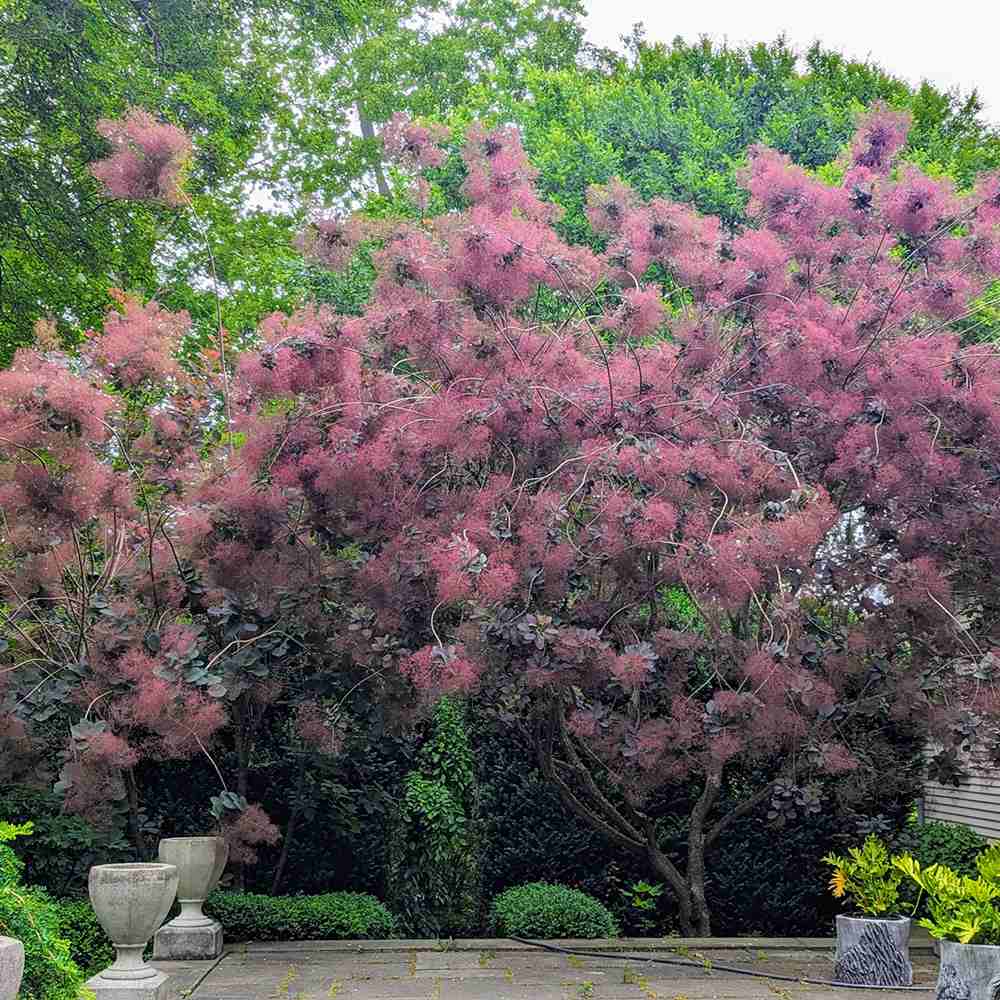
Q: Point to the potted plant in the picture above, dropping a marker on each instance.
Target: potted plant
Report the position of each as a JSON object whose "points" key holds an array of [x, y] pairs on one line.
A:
{"points": [[963, 915], [873, 942]]}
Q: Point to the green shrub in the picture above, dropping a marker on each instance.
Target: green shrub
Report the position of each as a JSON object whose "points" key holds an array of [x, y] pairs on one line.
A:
{"points": [[31, 916], [61, 848], [540, 910], [951, 844], [89, 946], [433, 869], [332, 916]]}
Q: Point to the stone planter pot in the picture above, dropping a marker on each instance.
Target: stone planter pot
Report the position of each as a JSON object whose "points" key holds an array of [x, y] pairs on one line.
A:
{"points": [[200, 862], [11, 967], [130, 902], [968, 971], [873, 952]]}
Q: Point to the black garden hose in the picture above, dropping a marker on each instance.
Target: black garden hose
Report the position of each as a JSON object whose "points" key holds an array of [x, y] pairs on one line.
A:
{"points": [[689, 963]]}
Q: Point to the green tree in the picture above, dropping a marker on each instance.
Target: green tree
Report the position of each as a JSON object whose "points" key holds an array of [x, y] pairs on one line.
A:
{"points": [[676, 120], [283, 99]]}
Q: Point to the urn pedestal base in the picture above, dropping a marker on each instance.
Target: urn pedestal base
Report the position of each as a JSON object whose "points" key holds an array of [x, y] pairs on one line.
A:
{"points": [[11, 967], [151, 988], [175, 942]]}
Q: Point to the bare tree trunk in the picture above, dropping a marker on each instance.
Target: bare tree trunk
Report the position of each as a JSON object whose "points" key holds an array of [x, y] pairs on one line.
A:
{"points": [[697, 841], [368, 132], [242, 740], [135, 830], [667, 870], [624, 827]]}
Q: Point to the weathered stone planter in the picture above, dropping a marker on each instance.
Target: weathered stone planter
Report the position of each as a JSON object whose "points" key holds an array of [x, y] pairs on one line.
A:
{"points": [[873, 952], [11, 967], [968, 971], [130, 902], [200, 862]]}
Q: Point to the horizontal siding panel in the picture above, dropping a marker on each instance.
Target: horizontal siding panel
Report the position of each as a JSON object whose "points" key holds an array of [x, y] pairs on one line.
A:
{"points": [[990, 793], [976, 802], [990, 797], [991, 831], [962, 812], [990, 779]]}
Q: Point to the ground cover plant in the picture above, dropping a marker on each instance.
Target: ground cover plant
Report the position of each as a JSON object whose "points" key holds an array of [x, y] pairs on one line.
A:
{"points": [[688, 504]]}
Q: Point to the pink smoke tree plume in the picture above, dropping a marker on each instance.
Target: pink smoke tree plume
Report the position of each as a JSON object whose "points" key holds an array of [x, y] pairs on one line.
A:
{"points": [[148, 161]]}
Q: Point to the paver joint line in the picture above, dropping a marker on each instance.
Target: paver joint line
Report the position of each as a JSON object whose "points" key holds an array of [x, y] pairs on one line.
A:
{"points": [[206, 974]]}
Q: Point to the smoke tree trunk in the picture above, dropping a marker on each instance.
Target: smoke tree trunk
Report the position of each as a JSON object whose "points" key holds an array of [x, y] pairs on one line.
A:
{"points": [[134, 826]]}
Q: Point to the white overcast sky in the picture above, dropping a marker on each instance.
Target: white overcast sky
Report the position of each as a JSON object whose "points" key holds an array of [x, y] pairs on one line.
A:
{"points": [[951, 44]]}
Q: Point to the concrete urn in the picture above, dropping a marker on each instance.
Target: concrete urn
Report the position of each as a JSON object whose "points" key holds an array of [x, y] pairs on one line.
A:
{"points": [[11, 967], [130, 901], [968, 971], [200, 862], [873, 952]]}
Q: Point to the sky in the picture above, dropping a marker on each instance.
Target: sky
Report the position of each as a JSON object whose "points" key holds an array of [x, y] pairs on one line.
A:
{"points": [[950, 45]]}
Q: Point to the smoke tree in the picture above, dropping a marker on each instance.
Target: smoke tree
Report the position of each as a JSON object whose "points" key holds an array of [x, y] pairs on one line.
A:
{"points": [[521, 461], [536, 450]]}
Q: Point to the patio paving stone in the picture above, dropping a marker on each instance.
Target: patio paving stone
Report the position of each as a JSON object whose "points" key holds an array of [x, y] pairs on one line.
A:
{"points": [[504, 970]]}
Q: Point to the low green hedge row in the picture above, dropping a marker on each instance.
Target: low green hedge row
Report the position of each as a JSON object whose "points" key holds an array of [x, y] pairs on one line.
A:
{"points": [[541, 910], [535, 910], [246, 916]]}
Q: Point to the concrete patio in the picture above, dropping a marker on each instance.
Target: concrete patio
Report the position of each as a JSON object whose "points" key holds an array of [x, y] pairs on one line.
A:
{"points": [[505, 970]]}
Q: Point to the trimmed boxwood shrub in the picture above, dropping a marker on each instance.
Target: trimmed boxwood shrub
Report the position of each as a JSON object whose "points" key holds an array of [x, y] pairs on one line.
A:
{"points": [[541, 910], [246, 916], [89, 946]]}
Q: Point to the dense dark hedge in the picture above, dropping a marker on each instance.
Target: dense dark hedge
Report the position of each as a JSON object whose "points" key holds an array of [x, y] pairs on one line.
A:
{"points": [[948, 844], [527, 833], [60, 851]]}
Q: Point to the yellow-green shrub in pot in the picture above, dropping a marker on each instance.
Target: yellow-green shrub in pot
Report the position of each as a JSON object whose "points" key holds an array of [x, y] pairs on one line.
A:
{"points": [[873, 941], [963, 915]]}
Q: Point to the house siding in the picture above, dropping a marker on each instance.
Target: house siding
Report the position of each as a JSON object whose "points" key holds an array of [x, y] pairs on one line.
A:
{"points": [[976, 802]]}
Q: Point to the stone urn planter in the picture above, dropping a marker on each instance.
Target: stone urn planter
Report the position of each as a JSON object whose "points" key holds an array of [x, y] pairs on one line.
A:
{"points": [[130, 901], [968, 971], [873, 952], [200, 862], [11, 967]]}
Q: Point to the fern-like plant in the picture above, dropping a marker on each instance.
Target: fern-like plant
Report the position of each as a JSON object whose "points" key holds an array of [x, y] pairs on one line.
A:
{"points": [[960, 908], [29, 915], [868, 876]]}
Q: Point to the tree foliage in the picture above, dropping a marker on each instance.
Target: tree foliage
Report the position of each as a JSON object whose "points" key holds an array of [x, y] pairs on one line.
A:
{"points": [[738, 541], [677, 120], [271, 91]]}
